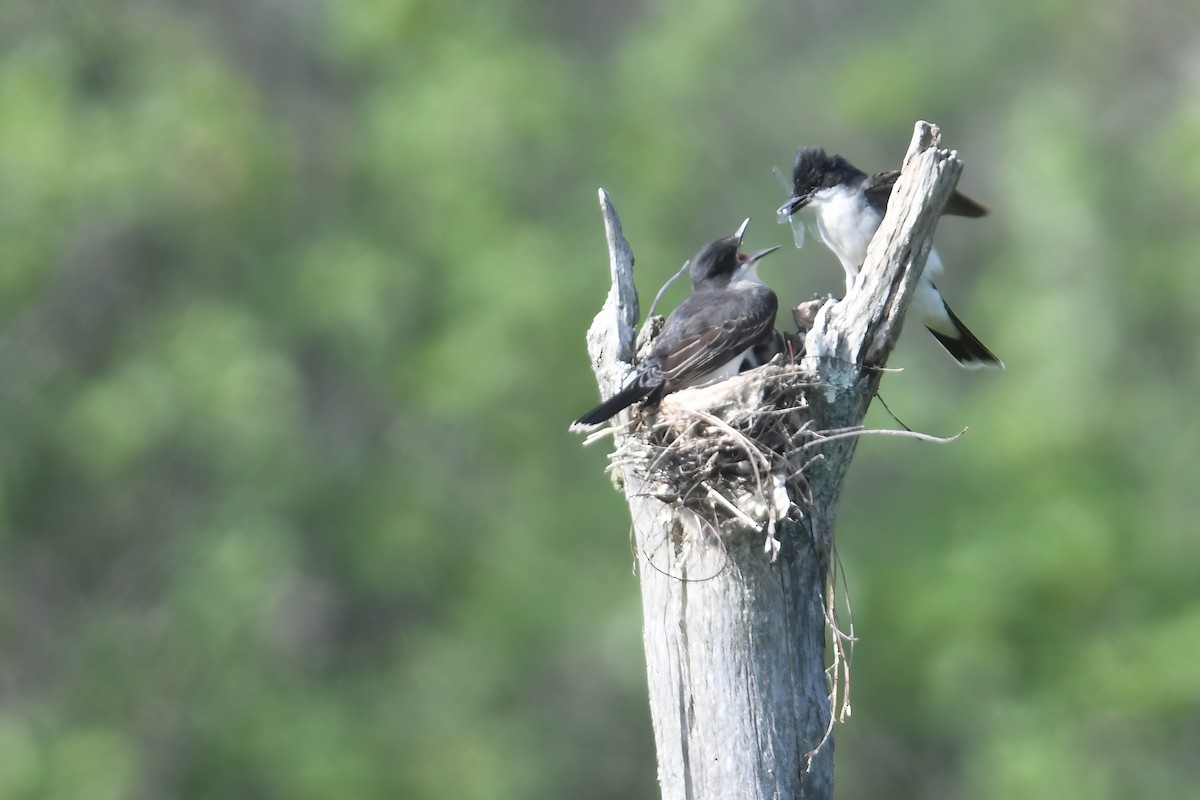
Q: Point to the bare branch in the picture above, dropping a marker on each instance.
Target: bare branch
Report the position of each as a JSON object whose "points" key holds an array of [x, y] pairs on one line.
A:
{"points": [[610, 338]]}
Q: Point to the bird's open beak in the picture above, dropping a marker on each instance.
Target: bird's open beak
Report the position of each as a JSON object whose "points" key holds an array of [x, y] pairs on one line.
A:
{"points": [[741, 231], [757, 255]]}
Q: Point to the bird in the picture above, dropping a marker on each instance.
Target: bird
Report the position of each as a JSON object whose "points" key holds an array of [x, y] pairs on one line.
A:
{"points": [[707, 337], [849, 206]]}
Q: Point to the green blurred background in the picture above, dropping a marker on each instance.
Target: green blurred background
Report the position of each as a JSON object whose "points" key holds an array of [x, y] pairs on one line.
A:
{"points": [[293, 302]]}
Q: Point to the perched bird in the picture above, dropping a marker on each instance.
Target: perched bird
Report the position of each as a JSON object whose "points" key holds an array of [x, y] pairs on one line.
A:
{"points": [[849, 207], [709, 334]]}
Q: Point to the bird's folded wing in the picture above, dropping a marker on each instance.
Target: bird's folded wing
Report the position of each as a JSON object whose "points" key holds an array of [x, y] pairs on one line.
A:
{"points": [[707, 343]]}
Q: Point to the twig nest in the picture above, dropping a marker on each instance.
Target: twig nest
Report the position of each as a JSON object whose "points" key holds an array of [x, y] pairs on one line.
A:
{"points": [[729, 452]]}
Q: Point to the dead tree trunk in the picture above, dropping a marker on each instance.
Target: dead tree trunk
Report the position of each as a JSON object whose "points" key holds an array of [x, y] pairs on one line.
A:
{"points": [[733, 491]]}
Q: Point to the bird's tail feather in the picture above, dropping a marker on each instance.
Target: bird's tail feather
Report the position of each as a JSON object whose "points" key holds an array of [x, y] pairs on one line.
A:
{"points": [[623, 399], [965, 346]]}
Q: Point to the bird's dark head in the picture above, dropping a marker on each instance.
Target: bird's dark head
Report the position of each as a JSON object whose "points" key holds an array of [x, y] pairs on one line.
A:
{"points": [[715, 263], [718, 261], [813, 171]]}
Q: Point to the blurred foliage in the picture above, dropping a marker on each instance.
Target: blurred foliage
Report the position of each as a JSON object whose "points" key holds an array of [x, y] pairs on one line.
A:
{"points": [[294, 298]]}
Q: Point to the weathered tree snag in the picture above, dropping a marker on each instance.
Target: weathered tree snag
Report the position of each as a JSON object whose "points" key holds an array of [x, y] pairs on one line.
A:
{"points": [[733, 491]]}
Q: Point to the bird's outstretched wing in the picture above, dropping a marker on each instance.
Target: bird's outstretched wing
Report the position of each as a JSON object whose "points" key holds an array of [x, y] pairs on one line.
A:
{"points": [[879, 188]]}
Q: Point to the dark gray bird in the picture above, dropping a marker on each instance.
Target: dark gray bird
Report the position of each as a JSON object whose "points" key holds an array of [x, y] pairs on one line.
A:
{"points": [[849, 207], [709, 334]]}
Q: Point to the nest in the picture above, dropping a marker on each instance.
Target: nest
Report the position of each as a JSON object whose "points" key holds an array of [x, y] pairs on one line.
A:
{"points": [[733, 453]]}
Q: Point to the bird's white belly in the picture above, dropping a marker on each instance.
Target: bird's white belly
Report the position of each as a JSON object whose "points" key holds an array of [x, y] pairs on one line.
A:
{"points": [[847, 227]]}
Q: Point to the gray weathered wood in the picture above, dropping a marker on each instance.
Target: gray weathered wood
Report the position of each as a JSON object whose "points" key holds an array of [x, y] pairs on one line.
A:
{"points": [[735, 636]]}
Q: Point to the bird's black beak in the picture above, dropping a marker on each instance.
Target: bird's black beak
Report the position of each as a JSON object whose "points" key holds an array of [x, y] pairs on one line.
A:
{"points": [[792, 205], [741, 231]]}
